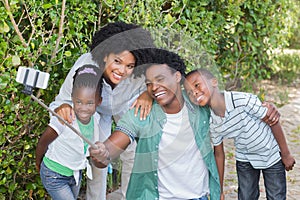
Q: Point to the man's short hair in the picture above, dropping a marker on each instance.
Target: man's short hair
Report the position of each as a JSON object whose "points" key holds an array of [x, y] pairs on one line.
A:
{"points": [[150, 56]]}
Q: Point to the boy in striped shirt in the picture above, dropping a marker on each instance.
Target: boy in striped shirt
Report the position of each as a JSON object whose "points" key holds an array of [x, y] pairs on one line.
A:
{"points": [[259, 146]]}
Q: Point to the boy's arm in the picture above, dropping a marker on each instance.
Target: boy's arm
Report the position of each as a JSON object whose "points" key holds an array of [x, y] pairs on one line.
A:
{"points": [[47, 137], [220, 160], [287, 159], [113, 147]]}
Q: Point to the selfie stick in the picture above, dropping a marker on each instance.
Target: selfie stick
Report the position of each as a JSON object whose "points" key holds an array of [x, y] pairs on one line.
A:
{"points": [[29, 83]]}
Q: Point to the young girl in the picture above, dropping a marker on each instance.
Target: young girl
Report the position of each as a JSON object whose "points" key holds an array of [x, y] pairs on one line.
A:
{"points": [[259, 146], [112, 49], [61, 154]]}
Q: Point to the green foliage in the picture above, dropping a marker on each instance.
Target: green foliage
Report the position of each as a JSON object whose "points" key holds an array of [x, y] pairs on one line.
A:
{"points": [[19, 119], [23, 120], [237, 34], [286, 67], [294, 41], [232, 36], [249, 35]]}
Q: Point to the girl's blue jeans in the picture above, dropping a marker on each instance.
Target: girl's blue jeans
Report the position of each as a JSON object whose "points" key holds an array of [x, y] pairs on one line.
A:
{"points": [[248, 181], [58, 186]]}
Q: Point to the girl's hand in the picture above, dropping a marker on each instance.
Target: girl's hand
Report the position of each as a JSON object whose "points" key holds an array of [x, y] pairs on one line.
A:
{"points": [[66, 112], [144, 103]]}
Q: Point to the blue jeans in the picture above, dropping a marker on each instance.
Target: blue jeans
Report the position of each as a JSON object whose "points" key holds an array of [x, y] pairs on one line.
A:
{"points": [[248, 181], [58, 186]]}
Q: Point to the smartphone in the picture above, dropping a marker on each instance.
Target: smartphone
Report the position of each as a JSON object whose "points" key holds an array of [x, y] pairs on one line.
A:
{"points": [[32, 77]]}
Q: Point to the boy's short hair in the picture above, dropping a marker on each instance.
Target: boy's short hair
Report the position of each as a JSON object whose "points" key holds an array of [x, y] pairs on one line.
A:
{"points": [[202, 71]]}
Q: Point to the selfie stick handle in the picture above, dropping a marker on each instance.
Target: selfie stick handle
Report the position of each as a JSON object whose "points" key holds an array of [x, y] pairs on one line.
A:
{"points": [[64, 121]]}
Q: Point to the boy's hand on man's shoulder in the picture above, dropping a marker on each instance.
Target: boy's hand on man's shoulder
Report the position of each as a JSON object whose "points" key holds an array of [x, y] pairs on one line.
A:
{"points": [[273, 115]]}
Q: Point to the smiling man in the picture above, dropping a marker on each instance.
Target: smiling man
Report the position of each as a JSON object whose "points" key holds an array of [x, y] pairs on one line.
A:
{"points": [[174, 158]]}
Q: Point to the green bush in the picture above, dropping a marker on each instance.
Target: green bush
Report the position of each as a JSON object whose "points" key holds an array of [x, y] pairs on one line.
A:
{"points": [[286, 68], [294, 42], [236, 35]]}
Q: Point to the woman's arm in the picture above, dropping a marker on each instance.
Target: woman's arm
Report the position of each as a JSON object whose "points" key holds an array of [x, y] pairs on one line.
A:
{"points": [[66, 112]]}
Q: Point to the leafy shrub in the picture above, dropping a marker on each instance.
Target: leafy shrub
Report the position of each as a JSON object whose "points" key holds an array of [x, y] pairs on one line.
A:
{"points": [[286, 67], [294, 41]]}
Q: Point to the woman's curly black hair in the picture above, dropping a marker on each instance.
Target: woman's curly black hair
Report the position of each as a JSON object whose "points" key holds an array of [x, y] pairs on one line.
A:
{"points": [[118, 37], [109, 30]]}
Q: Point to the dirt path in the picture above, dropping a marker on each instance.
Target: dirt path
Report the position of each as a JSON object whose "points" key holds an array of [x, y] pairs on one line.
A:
{"points": [[290, 120]]}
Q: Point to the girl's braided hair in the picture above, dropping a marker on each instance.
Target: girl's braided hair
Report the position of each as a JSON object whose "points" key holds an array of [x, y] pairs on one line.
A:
{"points": [[88, 76]]}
